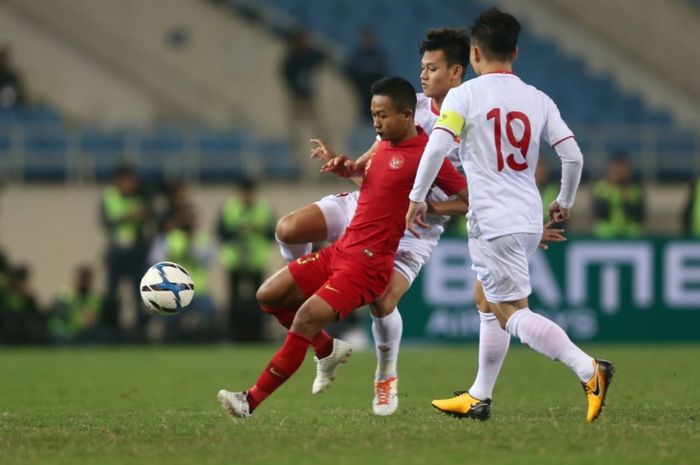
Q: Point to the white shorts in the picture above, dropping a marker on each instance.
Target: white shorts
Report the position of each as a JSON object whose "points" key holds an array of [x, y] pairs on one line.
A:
{"points": [[338, 210], [501, 264], [412, 254]]}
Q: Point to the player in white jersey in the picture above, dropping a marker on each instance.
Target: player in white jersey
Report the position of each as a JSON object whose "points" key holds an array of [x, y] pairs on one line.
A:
{"points": [[500, 120]]}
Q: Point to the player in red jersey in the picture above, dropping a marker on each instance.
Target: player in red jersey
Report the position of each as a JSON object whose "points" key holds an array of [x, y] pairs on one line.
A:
{"points": [[357, 268]]}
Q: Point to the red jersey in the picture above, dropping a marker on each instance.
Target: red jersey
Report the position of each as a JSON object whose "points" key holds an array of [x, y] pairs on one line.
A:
{"points": [[380, 218]]}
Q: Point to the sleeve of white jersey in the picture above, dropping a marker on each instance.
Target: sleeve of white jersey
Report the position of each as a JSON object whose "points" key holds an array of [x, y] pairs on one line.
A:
{"points": [[555, 129], [571, 168], [558, 135], [449, 124]]}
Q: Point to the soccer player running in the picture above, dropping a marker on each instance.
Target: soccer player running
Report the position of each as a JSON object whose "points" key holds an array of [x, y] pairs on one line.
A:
{"points": [[500, 120], [357, 268]]}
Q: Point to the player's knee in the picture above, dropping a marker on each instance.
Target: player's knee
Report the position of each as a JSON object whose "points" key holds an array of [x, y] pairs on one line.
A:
{"points": [[286, 229], [385, 304], [268, 294]]}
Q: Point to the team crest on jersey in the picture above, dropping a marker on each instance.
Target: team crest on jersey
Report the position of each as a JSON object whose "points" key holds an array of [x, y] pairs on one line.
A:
{"points": [[396, 162]]}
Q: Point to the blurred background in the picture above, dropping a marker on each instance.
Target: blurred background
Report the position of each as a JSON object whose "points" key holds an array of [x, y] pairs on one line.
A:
{"points": [[133, 132]]}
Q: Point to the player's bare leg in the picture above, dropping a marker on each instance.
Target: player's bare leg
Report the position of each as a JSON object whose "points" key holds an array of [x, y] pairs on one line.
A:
{"points": [[280, 296], [298, 230], [309, 321], [547, 338], [387, 327], [494, 341]]}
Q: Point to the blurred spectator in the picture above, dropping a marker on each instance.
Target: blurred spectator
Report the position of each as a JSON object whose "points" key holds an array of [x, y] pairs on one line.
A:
{"points": [[365, 65], [11, 83], [300, 65], [246, 229], [75, 315], [691, 213], [21, 321], [177, 197], [549, 189], [184, 244], [618, 202], [124, 212]]}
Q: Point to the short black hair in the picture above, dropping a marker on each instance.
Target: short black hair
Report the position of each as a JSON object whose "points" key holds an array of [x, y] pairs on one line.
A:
{"points": [[399, 90], [496, 34], [454, 43]]}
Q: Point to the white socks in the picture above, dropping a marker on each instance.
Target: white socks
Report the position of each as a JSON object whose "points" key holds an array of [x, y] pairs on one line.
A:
{"points": [[387, 336], [547, 338], [493, 347], [293, 251]]}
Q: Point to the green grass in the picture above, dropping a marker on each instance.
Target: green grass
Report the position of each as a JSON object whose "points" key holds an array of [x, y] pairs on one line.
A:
{"points": [[158, 405]]}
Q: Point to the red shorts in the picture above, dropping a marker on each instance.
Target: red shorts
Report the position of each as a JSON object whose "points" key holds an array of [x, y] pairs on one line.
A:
{"points": [[345, 282]]}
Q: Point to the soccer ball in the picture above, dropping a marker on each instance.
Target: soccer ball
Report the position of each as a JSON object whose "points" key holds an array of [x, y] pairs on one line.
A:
{"points": [[166, 288]]}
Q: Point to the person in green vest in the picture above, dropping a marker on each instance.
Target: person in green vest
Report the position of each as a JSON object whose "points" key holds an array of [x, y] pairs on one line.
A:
{"points": [[75, 314], [182, 242], [691, 213], [619, 206], [21, 319], [246, 230], [124, 212]]}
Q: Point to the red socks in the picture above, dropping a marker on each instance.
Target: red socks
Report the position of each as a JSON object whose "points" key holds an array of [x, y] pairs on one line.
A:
{"points": [[322, 343], [282, 366]]}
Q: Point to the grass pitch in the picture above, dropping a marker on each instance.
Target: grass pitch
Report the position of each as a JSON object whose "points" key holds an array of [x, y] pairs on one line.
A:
{"points": [[158, 405]]}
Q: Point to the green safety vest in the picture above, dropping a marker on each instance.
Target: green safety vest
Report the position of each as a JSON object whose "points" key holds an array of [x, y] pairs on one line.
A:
{"points": [[116, 206], [618, 224], [178, 247], [695, 213], [251, 225], [67, 318]]}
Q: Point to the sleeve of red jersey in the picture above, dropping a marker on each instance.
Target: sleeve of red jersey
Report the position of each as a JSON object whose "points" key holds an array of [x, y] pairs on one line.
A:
{"points": [[449, 179]]}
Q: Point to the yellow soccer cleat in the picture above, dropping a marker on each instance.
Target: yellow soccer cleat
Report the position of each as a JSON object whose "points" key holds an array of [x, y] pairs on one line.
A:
{"points": [[464, 406], [597, 387]]}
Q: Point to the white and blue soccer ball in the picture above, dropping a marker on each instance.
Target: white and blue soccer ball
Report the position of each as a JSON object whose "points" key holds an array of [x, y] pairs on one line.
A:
{"points": [[166, 288]]}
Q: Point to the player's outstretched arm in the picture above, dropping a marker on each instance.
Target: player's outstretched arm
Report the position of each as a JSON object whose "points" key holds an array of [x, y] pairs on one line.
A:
{"points": [[450, 207], [324, 153], [343, 167], [415, 216]]}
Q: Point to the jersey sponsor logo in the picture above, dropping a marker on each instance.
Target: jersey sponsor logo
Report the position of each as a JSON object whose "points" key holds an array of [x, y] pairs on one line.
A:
{"points": [[396, 162], [342, 194]]}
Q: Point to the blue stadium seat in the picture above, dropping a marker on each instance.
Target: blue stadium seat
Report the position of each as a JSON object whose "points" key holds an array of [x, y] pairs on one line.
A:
{"points": [[277, 159], [46, 155], [104, 150], [161, 154], [222, 154]]}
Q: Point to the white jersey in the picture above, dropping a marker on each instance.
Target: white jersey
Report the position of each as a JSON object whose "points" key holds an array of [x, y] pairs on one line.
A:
{"points": [[426, 116], [500, 120]]}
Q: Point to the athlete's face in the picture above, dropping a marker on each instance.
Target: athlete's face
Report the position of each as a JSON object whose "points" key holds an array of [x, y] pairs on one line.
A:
{"points": [[389, 123], [436, 76]]}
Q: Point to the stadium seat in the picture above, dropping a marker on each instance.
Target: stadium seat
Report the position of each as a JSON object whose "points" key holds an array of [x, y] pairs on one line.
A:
{"points": [[46, 155], [102, 151], [221, 154]]}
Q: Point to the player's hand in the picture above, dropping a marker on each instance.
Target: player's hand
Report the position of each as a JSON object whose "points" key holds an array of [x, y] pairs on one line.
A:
{"points": [[557, 213], [342, 166], [416, 216], [321, 151], [550, 234]]}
